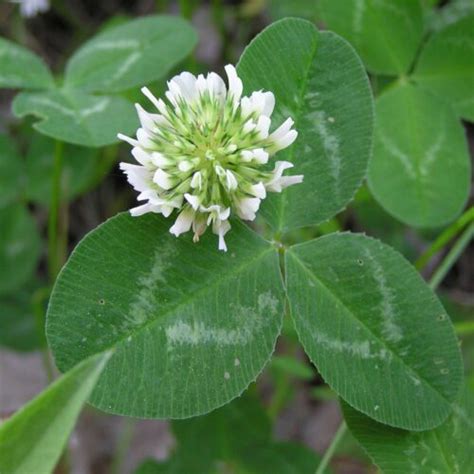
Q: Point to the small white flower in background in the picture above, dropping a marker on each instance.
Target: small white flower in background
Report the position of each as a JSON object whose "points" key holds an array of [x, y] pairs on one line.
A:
{"points": [[204, 153], [30, 8]]}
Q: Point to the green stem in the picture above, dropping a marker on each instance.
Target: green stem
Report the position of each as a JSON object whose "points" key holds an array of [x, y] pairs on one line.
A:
{"points": [[186, 8], [123, 445], [54, 260], [280, 395], [217, 12], [445, 237], [282, 383], [464, 328], [452, 257], [332, 448]]}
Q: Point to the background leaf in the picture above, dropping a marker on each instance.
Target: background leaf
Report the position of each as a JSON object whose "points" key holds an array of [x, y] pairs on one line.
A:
{"points": [[235, 438], [220, 436], [372, 219], [446, 66], [18, 327], [131, 54], [420, 170], [19, 247], [20, 68], [320, 82], [33, 439], [308, 9], [374, 329], [192, 326], [386, 33], [11, 172], [284, 458], [82, 169], [75, 117], [446, 449], [292, 367]]}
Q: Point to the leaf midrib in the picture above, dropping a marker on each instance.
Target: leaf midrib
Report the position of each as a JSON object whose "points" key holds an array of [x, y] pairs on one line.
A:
{"points": [[366, 328]]}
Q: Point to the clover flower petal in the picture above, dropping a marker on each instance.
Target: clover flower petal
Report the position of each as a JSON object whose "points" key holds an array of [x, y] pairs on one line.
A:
{"points": [[204, 153]]}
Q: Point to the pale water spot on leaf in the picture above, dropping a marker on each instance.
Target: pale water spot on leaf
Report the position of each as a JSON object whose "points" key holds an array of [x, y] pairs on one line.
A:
{"points": [[108, 45], [359, 9], [248, 322], [391, 331], [330, 144], [431, 153], [236, 362], [395, 151], [95, 109], [126, 65], [266, 301], [146, 302], [197, 333], [376, 407], [226, 375], [46, 102], [361, 349]]}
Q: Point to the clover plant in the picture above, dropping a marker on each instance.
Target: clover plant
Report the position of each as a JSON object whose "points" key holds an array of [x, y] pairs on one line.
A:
{"points": [[148, 320]]}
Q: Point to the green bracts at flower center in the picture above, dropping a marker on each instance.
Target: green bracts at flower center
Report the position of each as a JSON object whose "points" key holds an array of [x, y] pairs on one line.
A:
{"points": [[205, 153]]}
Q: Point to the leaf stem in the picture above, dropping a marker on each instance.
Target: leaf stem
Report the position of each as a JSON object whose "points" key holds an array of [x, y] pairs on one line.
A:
{"points": [[217, 15], [186, 9], [54, 259], [452, 257], [341, 431], [445, 237]]}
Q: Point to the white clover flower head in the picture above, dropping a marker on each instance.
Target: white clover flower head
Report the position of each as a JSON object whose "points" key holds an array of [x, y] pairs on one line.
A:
{"points": [[205, 153]]}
